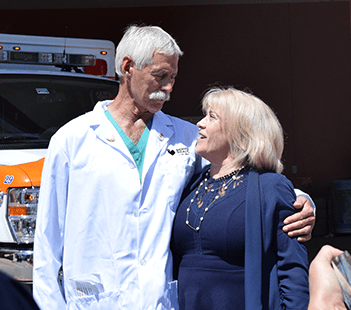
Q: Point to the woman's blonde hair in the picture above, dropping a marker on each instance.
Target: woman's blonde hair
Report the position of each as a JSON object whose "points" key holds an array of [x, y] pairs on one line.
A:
{"points": [[254, 133]]}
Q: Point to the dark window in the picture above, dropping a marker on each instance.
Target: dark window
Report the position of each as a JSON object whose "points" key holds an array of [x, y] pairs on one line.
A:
{"points": [[40, 104]]}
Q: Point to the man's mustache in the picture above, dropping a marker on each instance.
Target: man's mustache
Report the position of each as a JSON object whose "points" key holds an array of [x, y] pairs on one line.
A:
{"points": [[160, 95]]}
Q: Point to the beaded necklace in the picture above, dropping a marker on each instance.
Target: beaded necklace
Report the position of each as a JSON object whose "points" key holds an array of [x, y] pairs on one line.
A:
{"points": [[221, 190]]}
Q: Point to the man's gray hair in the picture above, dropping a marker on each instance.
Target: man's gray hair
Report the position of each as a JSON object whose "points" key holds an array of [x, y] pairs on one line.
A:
{"points": [[141, 43]]}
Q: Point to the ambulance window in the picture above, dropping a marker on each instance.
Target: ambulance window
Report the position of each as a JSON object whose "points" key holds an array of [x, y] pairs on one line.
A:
{"points": [[41, 104]]}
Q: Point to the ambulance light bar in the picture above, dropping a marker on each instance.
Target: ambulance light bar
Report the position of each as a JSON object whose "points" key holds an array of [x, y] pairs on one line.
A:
{"points": [[39, 58]]}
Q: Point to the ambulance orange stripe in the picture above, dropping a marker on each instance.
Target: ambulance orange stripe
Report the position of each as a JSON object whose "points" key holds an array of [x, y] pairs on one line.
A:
{"points": [[23, 175]]}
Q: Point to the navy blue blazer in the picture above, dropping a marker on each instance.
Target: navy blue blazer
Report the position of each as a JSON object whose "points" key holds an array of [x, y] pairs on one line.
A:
{"points": [[276, 266]]}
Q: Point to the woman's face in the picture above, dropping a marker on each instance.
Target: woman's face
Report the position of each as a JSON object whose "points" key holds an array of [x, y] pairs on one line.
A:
{"points": [[213, 143]]}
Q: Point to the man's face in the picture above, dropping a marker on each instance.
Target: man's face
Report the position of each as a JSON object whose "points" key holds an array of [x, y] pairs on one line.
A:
{"points": [[151, 86]]}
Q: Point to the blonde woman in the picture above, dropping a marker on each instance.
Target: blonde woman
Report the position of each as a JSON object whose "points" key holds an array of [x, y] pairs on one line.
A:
{"points": [[228, 243]]}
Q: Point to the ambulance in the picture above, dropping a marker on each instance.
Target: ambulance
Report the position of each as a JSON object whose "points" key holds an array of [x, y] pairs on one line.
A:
{"points": [[44, 83]]}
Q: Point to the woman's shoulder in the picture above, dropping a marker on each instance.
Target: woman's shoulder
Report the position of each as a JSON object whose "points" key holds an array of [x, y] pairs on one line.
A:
{"points": [[275, 182], [272, 177]]}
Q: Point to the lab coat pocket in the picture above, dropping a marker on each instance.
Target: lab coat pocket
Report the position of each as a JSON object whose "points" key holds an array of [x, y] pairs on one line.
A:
{"points": [[106, 300]]}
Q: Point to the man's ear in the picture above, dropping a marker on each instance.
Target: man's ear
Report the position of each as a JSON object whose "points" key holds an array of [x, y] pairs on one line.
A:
{"points": [[127, 64]]}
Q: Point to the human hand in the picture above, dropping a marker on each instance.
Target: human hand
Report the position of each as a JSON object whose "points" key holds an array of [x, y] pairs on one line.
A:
{"points": [[300, 224], [325, 290]]}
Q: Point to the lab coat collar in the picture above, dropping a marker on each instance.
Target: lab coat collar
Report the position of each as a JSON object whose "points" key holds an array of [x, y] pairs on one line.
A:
{"points": [[104, 129], [162, 126], [161, 132]]}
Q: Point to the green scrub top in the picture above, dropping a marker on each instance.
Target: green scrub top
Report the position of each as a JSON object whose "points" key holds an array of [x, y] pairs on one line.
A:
{"points": [[137, 151]]}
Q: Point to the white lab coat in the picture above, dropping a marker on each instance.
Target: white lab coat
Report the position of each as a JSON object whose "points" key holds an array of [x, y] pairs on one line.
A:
{"points": [[109, 230]]}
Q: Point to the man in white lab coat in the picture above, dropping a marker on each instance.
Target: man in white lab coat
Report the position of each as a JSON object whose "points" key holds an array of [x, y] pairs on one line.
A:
{"points": [[111, 183]]}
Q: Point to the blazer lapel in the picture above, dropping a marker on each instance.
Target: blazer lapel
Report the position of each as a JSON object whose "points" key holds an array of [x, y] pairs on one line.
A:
{"points": [[253, 244]]}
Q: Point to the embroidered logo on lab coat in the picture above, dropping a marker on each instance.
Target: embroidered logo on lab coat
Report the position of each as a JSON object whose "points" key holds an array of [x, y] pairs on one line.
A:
{"points": [[179, 151]]}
